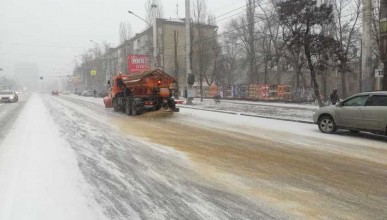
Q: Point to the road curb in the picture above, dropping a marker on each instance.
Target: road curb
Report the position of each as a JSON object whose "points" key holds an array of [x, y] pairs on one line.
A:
{"points": [[246, 114], [208, 110], [311, 108], [281, 119]]}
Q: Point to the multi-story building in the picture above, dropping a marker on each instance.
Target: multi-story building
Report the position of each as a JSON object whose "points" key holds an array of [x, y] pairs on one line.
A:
{"points": [[136, 54]]}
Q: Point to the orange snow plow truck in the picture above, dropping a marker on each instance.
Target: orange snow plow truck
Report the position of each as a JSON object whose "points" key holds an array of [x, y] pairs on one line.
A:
{"points": [[138, 93]]}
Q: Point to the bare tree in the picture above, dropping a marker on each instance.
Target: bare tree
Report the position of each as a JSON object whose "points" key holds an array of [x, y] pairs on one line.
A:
{"points": [[98, 59], [271, 42], [250, 39], [232, 51], [376, 31], [203, 38], [150, 13], [246, 30], [345, 30], [125, 31]]}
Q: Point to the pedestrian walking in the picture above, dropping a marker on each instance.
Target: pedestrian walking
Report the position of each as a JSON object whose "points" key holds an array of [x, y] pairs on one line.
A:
{"points": [[334, 97]]}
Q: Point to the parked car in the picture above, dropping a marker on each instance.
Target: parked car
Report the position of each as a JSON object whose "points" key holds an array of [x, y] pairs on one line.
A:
{"points": [[8, 96], [54, 92], [361, 112], [88, 93]]}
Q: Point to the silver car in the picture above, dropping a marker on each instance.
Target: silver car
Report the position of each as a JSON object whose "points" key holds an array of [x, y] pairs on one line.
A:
{"points": [[88, 93], [8, 96], [361, 112]]}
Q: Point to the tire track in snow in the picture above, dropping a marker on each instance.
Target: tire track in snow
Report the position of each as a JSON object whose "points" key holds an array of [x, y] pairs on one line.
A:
{"points": [[337, 182], [134, 180], [9, 113]]}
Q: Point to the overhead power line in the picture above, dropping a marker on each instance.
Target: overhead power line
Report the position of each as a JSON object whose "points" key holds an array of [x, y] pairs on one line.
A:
{"points": [[231, 11], [43, 45]]}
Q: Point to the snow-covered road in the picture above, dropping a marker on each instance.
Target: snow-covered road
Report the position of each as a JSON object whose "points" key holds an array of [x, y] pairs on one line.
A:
{"points": [[39, 175], [68, 157], [9, 112]]}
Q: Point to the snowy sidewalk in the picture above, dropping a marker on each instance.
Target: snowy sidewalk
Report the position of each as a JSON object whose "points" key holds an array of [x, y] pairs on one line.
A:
{"points": [[39, 174], [281, 111], [262, 103]]}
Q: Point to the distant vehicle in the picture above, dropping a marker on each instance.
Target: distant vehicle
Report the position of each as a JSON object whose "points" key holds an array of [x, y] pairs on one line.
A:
{"points": [[8, 96], [361, 112], [54, 92], [88, 93]]}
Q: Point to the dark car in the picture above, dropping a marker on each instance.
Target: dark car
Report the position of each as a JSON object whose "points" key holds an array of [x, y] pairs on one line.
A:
{"points": [[54, 92]]}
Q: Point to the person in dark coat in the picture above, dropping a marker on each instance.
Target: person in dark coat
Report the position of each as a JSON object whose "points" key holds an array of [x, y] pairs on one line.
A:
{"points": [[334, 97]]}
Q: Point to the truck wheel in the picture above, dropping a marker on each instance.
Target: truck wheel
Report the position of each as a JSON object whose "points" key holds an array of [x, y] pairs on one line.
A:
{"points": [[115, 106], [134, 106], [172, 104], [127, 108]]}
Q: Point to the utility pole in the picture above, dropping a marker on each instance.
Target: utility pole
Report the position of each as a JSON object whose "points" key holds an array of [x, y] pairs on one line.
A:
{"points": [[155, 65], [175, 39], [383, 39], [361, 67], [326, 32], [367, 84], [188, 49]]}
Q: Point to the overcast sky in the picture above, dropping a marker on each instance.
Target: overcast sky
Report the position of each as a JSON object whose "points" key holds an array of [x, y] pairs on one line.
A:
{"points": [[51, 33]]}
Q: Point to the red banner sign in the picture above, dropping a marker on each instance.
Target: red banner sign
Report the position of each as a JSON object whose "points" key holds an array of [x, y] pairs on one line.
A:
{"points": [[138, 63]]}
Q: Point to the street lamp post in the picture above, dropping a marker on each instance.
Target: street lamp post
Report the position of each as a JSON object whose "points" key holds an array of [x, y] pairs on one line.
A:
{"points": [[154, 33], [189, 76], [130, 12]]}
